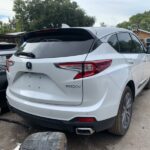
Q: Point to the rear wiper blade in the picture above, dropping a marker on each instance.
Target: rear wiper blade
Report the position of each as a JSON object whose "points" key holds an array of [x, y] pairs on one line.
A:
{"points": [[31, 55], [43, 40], [49, 40]]}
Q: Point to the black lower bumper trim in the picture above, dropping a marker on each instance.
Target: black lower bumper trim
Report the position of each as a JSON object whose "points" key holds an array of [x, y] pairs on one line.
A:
{"points": [[60, 125]]}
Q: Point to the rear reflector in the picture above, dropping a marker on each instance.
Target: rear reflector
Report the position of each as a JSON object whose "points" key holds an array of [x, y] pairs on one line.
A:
{"points": [[85, 120], [86, 69]]}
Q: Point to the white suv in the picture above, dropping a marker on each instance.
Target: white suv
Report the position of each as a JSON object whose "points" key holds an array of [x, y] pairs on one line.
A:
{"points": [[81, 80]]}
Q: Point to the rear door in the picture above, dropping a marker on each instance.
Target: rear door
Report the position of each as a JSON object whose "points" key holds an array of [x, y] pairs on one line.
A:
{"points": [[36, 75], [134, 58], [139, 48]]}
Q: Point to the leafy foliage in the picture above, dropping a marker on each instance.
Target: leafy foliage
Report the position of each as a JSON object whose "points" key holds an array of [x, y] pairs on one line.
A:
{"points": [[141, 21], [39, 14], [7, 27]]}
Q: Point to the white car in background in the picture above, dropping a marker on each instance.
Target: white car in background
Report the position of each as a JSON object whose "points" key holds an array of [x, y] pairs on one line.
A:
{"points": [[81, 80], [6, 51]]}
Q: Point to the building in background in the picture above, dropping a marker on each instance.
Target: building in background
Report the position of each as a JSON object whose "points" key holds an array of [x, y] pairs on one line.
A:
{"points": [[144, 36]]}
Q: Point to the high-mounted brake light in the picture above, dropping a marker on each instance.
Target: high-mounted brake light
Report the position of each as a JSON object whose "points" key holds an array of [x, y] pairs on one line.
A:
{"points": [[9, 63], [86, 69]]}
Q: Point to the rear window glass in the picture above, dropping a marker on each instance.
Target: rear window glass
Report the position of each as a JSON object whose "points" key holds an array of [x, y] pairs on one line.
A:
{"points": [[54, 47], [7, 47]]}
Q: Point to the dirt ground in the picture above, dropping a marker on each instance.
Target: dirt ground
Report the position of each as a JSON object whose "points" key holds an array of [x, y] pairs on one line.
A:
{"points": [[137, 138]]}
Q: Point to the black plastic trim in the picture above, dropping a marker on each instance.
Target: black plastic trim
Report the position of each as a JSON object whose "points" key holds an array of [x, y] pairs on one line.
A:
{"points": [[61, 125]]}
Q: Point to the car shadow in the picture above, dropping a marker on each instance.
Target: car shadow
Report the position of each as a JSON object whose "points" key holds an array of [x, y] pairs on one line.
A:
{"points": [[97, 141]]}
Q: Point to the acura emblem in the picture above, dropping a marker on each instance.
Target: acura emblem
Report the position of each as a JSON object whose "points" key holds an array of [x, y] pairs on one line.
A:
{"points": [[29, 65]]}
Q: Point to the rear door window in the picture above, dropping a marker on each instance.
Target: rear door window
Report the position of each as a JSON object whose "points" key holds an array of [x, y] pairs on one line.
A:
{"points": [[113, 41], [125, 42], [137, 46]]}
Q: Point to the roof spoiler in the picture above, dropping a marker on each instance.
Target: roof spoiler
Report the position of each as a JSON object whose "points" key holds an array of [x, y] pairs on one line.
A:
{"points": [[67, 32]]}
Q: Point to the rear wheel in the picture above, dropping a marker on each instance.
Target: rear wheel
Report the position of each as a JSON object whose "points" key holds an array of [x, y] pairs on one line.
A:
{"points": [[123, 119]]}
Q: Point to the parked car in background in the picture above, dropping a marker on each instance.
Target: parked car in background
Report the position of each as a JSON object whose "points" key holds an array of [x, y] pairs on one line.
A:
{"points": [[82, 80], [6, 51]]}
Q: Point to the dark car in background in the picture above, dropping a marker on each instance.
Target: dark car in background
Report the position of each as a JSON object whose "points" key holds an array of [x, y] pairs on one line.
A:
{"points": [[6, 51]]}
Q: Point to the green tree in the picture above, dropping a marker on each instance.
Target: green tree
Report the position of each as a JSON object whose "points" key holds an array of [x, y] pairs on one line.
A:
{"points": [[141, 21], [39, 14], [21, 16], [8, 27], [5, 27]]}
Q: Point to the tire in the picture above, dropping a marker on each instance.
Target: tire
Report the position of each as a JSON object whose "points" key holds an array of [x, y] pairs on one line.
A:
{"points": [[123, 119], [147, 85], [3, 86], [45, 141]]}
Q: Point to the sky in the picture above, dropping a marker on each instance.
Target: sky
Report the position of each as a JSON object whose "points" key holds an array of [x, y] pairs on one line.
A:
{"points": [[111, 12]]}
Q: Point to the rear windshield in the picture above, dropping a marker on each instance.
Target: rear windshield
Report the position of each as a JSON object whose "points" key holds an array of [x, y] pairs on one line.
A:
{"points": [[7, 47], [53, 47]]}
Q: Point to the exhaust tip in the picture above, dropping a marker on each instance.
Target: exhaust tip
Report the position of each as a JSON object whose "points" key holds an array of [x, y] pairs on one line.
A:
{"points": [[84, 131]]}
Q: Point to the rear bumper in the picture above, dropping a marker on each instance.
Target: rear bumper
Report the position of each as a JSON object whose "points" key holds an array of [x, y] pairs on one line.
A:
{"points": [[61, 125], [101, 110]]}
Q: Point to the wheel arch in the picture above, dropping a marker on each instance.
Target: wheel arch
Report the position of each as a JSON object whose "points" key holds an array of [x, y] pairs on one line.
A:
{"points": [[132, 87]]}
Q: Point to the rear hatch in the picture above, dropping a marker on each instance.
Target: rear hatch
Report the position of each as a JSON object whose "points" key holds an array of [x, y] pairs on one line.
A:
{"points": [[38, 72]]}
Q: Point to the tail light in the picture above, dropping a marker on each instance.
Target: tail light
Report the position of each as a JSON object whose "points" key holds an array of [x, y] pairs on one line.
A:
{"points": [[86, 69], [9, 63]]}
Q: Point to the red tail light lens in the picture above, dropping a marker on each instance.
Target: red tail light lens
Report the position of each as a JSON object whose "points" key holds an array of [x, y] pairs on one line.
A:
{"points": [[86, 69], [9, 63], [71, 66]]}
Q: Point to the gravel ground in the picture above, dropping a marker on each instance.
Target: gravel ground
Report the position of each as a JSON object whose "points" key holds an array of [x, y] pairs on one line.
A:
{"points": [[137, 137]]}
